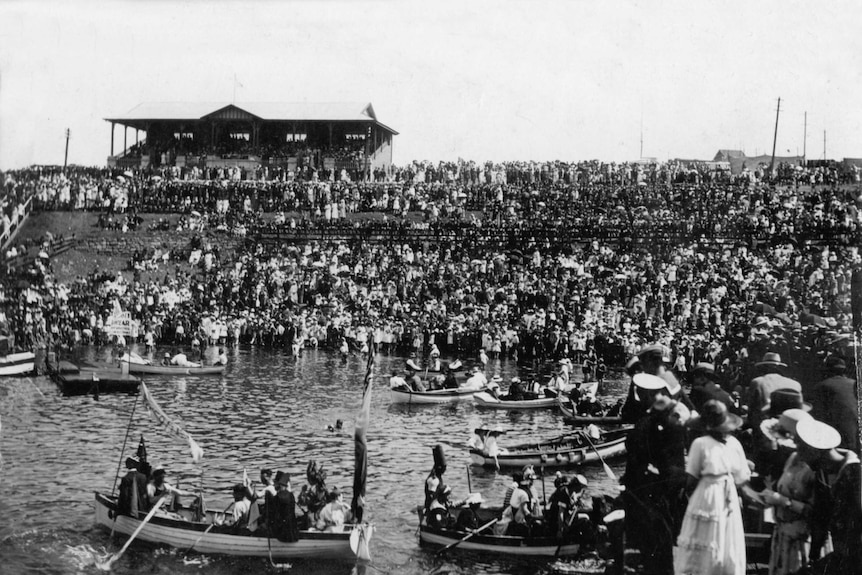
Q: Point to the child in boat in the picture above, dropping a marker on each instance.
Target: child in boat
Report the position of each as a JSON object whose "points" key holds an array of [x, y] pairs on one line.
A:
{"points": [[468, 518], [332, 516]]}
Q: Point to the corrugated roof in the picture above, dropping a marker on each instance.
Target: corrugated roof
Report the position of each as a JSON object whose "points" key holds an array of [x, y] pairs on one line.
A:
{"points": [[307, 111]]}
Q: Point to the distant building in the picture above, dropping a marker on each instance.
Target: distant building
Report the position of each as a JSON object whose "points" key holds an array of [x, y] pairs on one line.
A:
{"points": [[726, 155], [331, 136]]}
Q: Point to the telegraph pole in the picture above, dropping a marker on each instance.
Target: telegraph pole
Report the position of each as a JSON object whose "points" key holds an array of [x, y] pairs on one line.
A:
{"points": [[824, 145], [66, 157], [775, 137], [804, 139]]}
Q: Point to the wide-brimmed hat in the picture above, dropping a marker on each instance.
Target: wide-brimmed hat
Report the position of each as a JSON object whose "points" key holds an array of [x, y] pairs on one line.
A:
{"points": [[648, 381], [714, 416], [497, 431], [817, 434], [655, 349], [282, 478], [474, 499], [704, 367], [782, 429], [771, 359], [836, 363], [578, 482], [783, 399]]}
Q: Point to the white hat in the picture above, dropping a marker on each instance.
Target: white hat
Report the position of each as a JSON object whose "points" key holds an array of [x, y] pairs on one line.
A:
{"points": [[648, 381], [818, 434], [474, 499]]}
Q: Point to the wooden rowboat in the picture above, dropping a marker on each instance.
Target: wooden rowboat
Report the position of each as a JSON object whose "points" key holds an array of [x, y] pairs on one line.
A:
{"points": [[432, 397], [564, 451], [179, 531], [175, 369], [487, 542], [485, 399], [571, 417], [17, 363]]}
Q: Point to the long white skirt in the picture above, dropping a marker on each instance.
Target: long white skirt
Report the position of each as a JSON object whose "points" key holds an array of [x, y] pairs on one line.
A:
{"points": [[712, 538]]}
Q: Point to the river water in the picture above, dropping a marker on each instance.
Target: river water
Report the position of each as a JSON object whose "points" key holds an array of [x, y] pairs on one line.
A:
{"points": [[268, 410]]}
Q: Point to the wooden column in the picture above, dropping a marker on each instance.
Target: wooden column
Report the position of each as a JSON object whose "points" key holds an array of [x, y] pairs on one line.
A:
{"points": [[125, 138], [112, 139]]}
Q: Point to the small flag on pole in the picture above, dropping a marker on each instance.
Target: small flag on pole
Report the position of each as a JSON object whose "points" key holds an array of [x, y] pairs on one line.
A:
{"points": [[170, 425]]}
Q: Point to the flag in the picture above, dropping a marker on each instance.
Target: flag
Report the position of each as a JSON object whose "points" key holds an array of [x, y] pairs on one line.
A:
{"points": [[142, 450], [360, 472], [170, 425]]}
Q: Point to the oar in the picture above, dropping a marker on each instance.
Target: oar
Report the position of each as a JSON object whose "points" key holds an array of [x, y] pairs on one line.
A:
{"points": [[106, 566], [207, 530], [608, 471], [566, 530], [469, 535], [469, 481]]}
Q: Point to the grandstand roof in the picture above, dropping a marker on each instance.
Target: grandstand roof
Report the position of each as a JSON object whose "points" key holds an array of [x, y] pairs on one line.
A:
{"points": [[274, 111]]}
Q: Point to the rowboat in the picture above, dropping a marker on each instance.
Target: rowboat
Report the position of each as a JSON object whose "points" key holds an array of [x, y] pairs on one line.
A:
{"points": [[487, 400], [175, 369], [400, 395], [564, 451], [17, 363], [488, 542], [180, 531], [570, 416]]}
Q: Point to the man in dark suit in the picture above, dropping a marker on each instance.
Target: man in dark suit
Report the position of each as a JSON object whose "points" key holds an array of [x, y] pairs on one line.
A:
{"points": [[834, 402], [704, 388]]}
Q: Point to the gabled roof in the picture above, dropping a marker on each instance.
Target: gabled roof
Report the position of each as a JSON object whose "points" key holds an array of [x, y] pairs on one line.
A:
{"points": [[299, 111], [725, 155]]}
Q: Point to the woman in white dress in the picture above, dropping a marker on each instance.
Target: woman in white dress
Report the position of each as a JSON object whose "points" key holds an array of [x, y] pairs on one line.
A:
{"points": [[712, 538]]}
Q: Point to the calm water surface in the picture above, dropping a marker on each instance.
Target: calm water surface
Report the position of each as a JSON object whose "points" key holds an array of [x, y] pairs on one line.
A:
{"points": [[269, 410]]}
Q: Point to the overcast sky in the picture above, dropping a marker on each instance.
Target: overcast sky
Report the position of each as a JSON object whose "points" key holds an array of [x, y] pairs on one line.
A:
{"points": [[473, 79]]}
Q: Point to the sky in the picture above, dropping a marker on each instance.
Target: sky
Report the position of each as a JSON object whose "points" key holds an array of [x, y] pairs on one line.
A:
{"points": [[480, 80]]}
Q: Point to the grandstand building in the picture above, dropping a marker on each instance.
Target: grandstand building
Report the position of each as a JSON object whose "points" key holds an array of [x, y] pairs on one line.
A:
{"points": [[331, 136]]}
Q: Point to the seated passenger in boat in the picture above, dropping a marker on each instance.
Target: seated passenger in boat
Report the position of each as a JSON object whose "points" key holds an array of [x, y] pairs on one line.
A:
{"points": [[182, 360], [449, 380], [438, 512], [435, 476], [524, 512], [468, 518], [241, 507], [516, 391], [414, 381], [494, 386], [157, 488], [222, 357], [312, 498], [166, 360], [570, 498], [281, 510], [258, 509], [133, 488], [333, 514], [398, 383], [476, 381]]}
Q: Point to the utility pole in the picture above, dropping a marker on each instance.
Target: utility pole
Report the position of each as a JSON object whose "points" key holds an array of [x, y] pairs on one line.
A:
{"points": [[66, 157], [775, 137], [642, 132], [824, 145], [805, 139]]}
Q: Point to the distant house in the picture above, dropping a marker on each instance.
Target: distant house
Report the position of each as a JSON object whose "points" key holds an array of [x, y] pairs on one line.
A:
{"points": [[726, 155]]}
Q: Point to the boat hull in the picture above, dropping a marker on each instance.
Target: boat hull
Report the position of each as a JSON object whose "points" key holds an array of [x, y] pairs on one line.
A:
{"points": [[571, 417], [527, 547], [219, 541], [551, 454], [488, 401], [431, 397], [175, 369], [17, 363]]}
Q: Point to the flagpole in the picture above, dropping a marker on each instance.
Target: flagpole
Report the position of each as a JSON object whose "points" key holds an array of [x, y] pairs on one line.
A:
{"points": [[123, 450]]}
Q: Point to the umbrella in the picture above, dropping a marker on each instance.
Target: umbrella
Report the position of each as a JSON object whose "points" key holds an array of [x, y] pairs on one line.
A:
{"points": [[196, 213], [128, 174], [763, 308]]}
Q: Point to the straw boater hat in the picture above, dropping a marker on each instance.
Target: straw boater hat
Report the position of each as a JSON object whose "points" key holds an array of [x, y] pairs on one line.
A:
{"points": [[497, 431], [817, 434], [648, 381], [655, 349], [704, 367], [715, 417]]}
